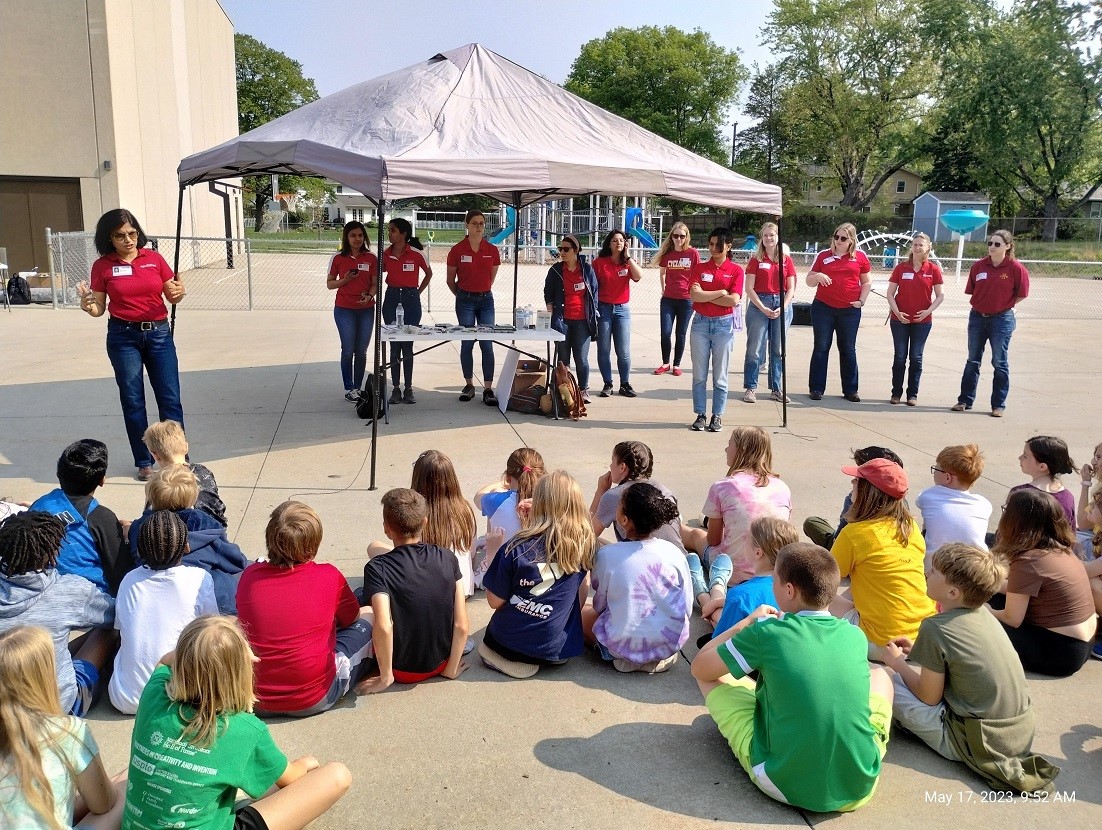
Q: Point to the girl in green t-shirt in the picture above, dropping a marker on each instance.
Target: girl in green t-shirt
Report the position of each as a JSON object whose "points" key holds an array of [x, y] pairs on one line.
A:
{"points": [[196, 742]]}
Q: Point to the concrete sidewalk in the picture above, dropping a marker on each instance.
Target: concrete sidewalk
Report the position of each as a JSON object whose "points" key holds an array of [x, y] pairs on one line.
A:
{"points": [[579, 746]]}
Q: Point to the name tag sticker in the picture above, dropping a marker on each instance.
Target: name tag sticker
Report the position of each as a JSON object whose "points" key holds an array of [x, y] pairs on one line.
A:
{"points": [[363, 266], [623, 272], [908, 276], [122, 271], [465, 258], [579, 286], [829, 260], [409, 266], [705, 277], [765, 266], [981, 276]]}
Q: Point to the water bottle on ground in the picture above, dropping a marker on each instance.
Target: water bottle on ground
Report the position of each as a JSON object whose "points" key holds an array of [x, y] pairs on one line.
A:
{"points": [[400, 316]]}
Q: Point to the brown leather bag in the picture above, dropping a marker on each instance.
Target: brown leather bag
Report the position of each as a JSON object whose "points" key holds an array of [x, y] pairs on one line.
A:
{"points": [[569, 392]]}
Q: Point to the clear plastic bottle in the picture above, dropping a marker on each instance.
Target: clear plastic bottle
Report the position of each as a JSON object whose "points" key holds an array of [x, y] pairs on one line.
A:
{"points": [[400, 316]]}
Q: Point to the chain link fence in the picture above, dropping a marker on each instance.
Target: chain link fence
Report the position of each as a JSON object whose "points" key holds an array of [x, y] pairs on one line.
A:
{"points": [[290, 274]]}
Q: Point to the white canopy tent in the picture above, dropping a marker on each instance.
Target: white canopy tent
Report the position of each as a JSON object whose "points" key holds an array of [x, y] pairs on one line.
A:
{"points": [[471, 121]]}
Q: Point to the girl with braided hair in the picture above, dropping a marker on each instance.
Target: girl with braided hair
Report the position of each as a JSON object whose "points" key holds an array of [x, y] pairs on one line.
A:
{"points": [[32, 592], [50, 768], [632, 461], [156, 601]]}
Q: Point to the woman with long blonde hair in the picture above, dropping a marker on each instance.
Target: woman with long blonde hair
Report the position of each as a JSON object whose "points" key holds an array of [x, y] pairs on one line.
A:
{"points": [[676, 260], [51, 774], [196, 742], [769, 297], [914, 291], [536, 586]]}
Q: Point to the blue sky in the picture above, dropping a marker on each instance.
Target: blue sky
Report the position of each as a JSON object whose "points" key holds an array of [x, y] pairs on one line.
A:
{"points": [[343, 43]]}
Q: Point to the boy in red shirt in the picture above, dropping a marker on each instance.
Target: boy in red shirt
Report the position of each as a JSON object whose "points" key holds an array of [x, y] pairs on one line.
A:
{"points": [[302, 620]]}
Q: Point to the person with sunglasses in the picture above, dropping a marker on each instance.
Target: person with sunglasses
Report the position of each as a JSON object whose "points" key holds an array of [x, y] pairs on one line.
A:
{"points": [[676, 260], [996, 284], [616, 271], [716, 291], [570, 292], [131, 282], [840, 277]]}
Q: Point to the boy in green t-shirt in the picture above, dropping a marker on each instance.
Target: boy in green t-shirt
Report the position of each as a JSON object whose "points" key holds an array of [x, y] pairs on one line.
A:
{"points": [[964, 692], [813, 729]]}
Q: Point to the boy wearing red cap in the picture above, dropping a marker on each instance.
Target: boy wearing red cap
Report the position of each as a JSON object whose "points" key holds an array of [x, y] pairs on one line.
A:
{"points": [[882, 551]]}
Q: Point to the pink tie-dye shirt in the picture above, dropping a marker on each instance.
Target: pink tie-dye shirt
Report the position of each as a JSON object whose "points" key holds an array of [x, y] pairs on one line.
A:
{"points": [[738, 501]]}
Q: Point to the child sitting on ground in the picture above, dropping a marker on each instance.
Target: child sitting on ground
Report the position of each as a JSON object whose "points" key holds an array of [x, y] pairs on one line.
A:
{"points": [[155, 602], [642, 594], [47, 759], [167, 444], [417, 596], [310, 658], [963, 691], [499, 503], [1044, 459], [822, 532], [175, 488], [32, 592], [94, 547], [950, 511], [196, 742], [632, 461], [882, 552], [815, 697], [769, 535]]}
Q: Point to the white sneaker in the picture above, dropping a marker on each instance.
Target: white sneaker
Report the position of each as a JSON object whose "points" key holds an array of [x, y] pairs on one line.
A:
{"points": [[749, 397], [778, 397]]}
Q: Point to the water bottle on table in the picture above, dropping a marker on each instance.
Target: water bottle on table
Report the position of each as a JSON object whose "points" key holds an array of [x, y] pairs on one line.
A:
{"points": [[400, 317]]}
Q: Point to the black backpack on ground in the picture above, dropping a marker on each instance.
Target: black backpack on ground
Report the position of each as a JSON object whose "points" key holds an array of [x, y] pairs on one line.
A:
{"points": [[19, 292], [369, 404]]}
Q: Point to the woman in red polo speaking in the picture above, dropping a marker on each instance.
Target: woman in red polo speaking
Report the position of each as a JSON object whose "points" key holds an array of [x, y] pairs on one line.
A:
{"points": [[132, 282], [353, 274], [914, 291], [840, 277]]}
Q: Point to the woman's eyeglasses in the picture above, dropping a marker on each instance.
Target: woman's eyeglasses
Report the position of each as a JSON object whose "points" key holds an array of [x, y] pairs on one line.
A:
{"points": [[122, 237], [994, 243], [841, 238]]}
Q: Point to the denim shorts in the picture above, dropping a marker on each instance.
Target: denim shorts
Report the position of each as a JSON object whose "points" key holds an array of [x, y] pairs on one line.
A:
{"points": [[88, 687]]}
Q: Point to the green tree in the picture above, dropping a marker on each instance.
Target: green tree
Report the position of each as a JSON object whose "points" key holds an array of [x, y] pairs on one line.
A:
{"points": [[771, 149], [676, 84], [860, 76], [1028, 102], [270, 84]]}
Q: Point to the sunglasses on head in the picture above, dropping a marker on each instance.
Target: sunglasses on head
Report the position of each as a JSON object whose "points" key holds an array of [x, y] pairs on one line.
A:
{"points": [[841, 238], [994, 243]]}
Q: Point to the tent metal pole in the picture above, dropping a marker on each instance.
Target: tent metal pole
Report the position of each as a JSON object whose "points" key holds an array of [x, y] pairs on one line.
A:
{"points": [[784, 328], [377, 369], [516, 248], [176, 252]]}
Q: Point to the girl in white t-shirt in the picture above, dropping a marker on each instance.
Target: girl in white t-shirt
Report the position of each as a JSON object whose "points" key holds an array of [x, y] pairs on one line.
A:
{"points": [[50, 769], [500, 502]]}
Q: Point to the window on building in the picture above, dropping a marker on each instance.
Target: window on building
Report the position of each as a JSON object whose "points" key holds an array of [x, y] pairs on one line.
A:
{"points": [[357, 214], [1096, 210], [818, 185], [901, 186], [807, 185]]}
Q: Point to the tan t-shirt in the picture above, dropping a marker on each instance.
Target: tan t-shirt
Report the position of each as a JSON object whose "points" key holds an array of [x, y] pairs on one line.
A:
{"points": [[1057, 586]]}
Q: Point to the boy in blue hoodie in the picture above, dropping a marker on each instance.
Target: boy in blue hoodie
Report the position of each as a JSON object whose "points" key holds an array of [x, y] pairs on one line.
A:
{"points": [[175, 488], [32, 592]]}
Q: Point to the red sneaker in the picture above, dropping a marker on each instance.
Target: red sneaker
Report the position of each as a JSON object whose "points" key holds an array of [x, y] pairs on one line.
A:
{"points": [[661, 370]]}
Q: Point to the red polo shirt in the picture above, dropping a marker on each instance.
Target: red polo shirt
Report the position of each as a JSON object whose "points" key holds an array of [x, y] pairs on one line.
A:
{"points": [[613, 280], [916, 286], [727, 276], [351, 294], [845, 274], [573, 287], [474, 270], [994, 288], [134, 289], [404, 271], [763, 274], [679, 267]]}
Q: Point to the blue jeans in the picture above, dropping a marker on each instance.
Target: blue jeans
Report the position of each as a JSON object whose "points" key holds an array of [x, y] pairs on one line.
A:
{"points": [[711, 338], [760, 329], [825, 321], [576, 343], [909, 340], [680, 311], [614, 327], [475, 309], [130, 349], [996, 329], [354, 325], [402, 355]]}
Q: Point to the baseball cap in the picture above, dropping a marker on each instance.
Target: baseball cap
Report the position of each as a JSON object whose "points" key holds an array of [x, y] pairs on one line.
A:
{"points": [[883, 474]]}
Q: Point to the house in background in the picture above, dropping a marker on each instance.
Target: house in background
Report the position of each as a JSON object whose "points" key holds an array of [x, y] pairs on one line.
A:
{"points": [[929, 207], [349, 206], [821, 189], [100, 101]]}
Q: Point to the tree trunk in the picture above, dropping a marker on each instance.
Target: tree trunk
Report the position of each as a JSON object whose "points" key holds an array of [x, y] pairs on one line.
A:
{"points": [[1052, 214]]}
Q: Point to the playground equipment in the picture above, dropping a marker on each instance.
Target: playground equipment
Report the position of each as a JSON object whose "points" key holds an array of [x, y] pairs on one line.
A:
{"points": [[962, 223], [510, 227], [636, 230]]}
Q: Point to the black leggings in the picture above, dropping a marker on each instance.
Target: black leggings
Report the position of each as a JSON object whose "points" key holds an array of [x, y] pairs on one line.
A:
{"points": [[1043, 651]]}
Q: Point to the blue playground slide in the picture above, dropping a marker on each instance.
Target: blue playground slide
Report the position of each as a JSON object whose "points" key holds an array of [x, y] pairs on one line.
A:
{"points": [[507, 231], [636, 229]]}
